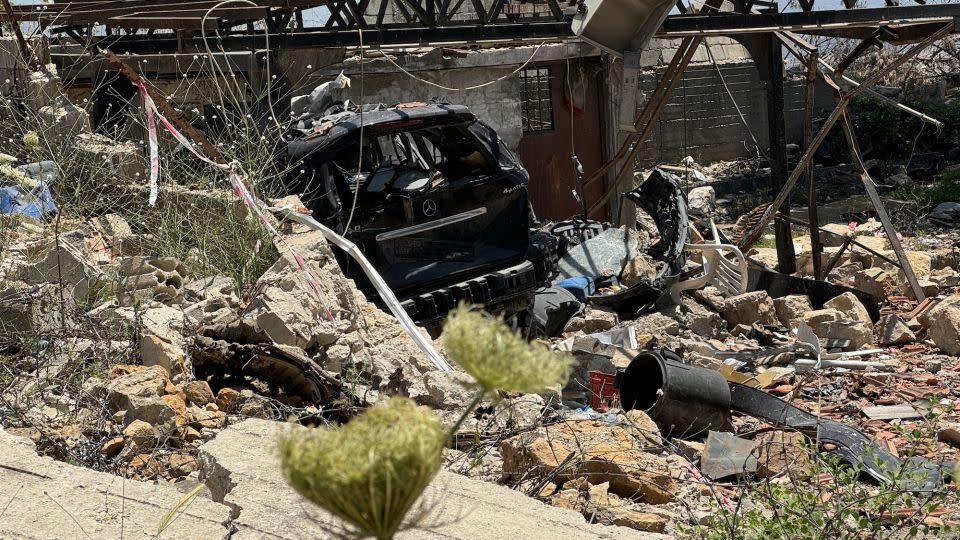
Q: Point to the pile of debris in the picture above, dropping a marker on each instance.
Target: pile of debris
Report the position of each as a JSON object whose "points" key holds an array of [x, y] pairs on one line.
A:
{"points": [[697, 369]]}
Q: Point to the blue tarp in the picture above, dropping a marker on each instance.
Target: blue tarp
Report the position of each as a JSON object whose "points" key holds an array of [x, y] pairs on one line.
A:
{"points": [[35, 203]]}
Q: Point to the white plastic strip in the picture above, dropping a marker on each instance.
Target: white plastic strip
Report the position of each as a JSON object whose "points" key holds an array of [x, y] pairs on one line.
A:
{"points": [[154, 145]]}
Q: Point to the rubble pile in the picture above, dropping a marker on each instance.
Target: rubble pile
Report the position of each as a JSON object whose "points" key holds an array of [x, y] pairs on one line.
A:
{"points": [[697, 372]]}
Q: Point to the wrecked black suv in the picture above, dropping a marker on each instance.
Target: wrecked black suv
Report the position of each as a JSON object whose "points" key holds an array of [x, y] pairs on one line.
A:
{"points": [[439, 205]]}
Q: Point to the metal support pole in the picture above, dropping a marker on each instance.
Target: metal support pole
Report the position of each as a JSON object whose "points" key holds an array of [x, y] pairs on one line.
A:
{"points": [[776, 125], [816, 247], [645, 122], [24, 48]]}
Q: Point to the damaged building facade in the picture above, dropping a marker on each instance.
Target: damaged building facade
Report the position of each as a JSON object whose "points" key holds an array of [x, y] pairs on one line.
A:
{"points": [[537, 110]]}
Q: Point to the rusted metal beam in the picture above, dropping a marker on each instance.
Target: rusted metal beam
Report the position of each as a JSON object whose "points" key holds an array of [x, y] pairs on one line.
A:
{"points": [[648, 118], [677, 26], [852, 241], [862, 48], [816, 246], [881, 211], [165, 108], [777, 137], [836, 256], [24, 47], [805, 160], [792, 41]]}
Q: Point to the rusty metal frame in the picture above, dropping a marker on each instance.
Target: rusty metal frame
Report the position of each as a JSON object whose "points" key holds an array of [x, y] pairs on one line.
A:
{"points": [[644, 123], [840, 114], [807, 157]]}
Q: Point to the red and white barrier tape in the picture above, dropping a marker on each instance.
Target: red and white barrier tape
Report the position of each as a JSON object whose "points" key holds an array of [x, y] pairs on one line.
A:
{"points": [[233, 171]]}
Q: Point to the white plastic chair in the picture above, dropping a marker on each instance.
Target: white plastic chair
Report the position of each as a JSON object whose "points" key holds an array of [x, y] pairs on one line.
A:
{"points": [[724, 267]]}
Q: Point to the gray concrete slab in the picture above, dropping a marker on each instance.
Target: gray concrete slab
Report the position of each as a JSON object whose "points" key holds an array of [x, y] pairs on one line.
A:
{"points": [[45, 499], [242, 467]]}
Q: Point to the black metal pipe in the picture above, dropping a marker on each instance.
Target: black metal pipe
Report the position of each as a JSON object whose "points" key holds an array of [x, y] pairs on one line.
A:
{"points": [[685, 401]]}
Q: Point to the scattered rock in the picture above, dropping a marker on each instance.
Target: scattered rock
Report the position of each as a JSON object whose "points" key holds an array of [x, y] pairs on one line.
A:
{"points": [[840, 231], [642, 425], [640, 269], [145, 466], [256, 407], [448, 390], [148, 382], [945, 277], [600, 506], [164, 353], [598, 320], [656, 324], [140, 434], [944, 325], [749, 308], [848, 304], [209, 417], [182, 465], [949, 432], [63, 122], [892, 330], [66, 265], [198, 393], [153, 410], [780, 452], [702, 201], [112, 447], [858, 332], [119, 161], [819, 320], [226, 397], [875, 281], [700, 320], [691, 450], [604, 454], [178, 405], [791, 309]]}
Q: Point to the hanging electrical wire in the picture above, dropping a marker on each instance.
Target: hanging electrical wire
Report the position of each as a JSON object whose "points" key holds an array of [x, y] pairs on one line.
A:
{"points": [[723, 80], [357, 178], [474, 87]]}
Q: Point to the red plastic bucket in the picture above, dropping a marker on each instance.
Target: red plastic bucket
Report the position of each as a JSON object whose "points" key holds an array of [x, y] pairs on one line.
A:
{"points": [[604, 393]]}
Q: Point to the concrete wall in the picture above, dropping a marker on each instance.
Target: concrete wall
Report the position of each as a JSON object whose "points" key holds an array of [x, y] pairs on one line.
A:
{"points": [[497, 104], [701, 119]]}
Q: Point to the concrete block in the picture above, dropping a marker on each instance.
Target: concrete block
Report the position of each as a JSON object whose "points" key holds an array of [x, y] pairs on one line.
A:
{"points": [[53, 500], [242, 470]]}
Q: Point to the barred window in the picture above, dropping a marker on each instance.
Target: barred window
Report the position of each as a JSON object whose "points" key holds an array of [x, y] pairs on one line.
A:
{"points": [[535, 100]]}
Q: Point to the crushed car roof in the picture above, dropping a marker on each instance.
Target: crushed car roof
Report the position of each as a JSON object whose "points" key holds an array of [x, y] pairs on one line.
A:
{"points": [[331, 128]]}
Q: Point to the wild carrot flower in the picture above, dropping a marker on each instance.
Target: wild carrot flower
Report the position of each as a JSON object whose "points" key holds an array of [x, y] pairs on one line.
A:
{"points": [[498, 358], [371, 471]]}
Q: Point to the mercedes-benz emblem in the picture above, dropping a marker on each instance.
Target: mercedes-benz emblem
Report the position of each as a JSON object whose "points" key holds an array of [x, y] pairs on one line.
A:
{"points": [[429, 208]]}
